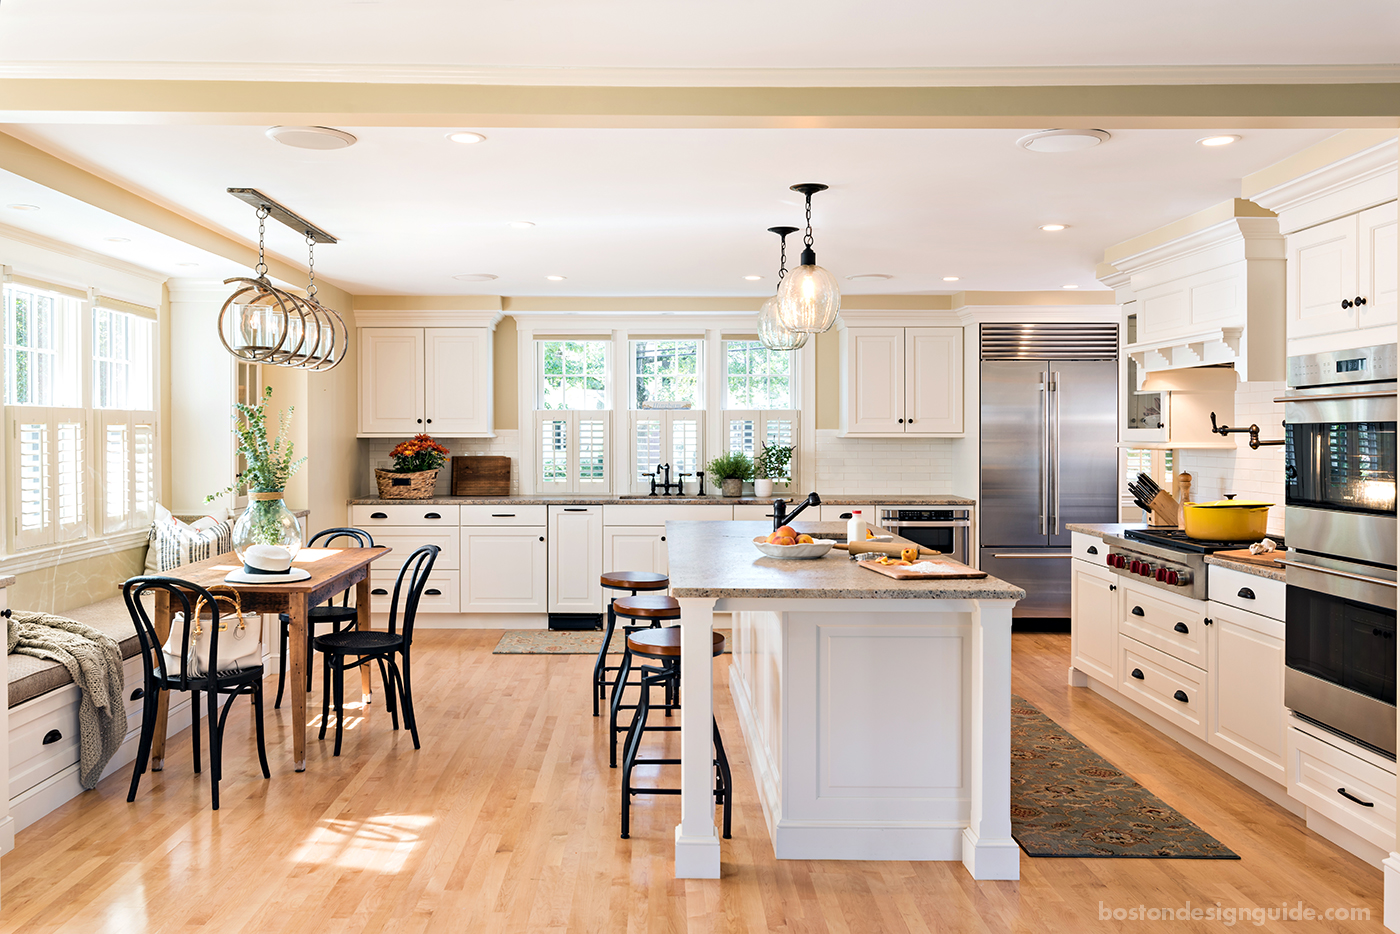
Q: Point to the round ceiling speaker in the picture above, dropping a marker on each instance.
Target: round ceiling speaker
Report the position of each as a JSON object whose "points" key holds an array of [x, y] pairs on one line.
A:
{"points": [[1063, 140], [869, 275], [474, 277], [311, 137]]}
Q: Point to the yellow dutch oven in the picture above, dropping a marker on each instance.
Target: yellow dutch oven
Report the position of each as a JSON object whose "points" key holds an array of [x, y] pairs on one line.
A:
{"points": [[1227, 520]]}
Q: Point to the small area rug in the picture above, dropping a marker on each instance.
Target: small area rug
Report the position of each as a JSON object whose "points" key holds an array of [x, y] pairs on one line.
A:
{"points": [[1067, 800], [565, 642]]}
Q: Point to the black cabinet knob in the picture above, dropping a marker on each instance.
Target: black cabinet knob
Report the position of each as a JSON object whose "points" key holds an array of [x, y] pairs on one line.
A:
{"points": [[138, 693], [1137, 673], [541, 538], [1138, 611], [1112, 586], [1181, 696], [1345, 303], [51, 737], [663, 538], [901, 421], [1208, 621], [420, 421], [1359, 301], [1181, 628], [430, 421], [1246, 594]]}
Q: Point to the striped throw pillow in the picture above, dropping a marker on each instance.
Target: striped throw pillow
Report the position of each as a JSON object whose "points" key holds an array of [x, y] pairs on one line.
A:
{"points": [[173, 543]]}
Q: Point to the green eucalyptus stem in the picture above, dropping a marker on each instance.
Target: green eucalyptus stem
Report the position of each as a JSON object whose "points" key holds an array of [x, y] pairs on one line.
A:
{"points": [[269, 464]]}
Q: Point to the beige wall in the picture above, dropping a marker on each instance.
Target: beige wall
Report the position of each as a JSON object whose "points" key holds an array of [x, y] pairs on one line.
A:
{"points": [[77, 583], [506, 369], [828, 380]]}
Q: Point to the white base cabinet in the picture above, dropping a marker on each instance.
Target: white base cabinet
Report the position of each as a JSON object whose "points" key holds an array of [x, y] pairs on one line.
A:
{"points": [[505, 569], [1095, 604], [575, 559], [635, 548], [1247, 716]]}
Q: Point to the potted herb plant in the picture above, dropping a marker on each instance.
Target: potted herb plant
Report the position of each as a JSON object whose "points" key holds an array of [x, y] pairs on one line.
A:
{"points": [[771, 464], [268, 467], [731, 470], [416, 465]]}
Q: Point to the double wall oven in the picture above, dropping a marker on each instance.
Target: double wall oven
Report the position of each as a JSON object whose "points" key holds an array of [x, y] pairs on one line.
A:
{"points": [[1340, 465]]}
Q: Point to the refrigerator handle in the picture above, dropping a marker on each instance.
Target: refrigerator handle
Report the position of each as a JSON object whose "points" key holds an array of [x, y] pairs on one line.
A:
{"points": [[1055, 447], [1044, 455]]}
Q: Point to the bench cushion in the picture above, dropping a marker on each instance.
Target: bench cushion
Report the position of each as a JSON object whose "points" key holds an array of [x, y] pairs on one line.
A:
{"points": [[29, 677]]}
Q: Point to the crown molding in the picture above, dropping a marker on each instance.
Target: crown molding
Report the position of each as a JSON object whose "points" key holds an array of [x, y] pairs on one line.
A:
{"points": [[74, 252], [1374, 167], [426, 318], [1259, 236], [539, 76]]}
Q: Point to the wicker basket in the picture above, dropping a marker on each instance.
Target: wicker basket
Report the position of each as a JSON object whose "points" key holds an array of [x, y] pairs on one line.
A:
{"points": [[418, 485]]}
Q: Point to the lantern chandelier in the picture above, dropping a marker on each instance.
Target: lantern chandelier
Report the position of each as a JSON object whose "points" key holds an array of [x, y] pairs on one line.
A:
{"points": [[809, 299], [260, 323], [770, 330]]}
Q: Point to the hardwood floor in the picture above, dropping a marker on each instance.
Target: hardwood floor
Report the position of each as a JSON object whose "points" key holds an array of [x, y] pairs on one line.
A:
{"points": [[507, 820]]}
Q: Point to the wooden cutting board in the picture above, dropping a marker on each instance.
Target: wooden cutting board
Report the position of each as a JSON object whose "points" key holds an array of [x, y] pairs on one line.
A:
{"points": [[484, 475], [902, 572], [1243, 555]]}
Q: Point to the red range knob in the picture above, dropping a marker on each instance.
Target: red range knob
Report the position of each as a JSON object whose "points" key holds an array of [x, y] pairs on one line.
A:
{"points": [[1146, 570], [1119, 561], [1135, 567], [1111, 561], [1162, 575], [1174, 578]]}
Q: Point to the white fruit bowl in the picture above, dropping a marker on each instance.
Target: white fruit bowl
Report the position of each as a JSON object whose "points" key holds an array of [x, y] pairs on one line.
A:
{"points": [[816, 549]]}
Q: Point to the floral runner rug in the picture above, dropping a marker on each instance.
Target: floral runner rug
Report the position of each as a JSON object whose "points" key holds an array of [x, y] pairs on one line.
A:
{"points": [[1067, 800], [566, 642]]}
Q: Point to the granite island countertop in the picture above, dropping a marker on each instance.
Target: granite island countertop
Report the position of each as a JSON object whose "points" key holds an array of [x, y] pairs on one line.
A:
{"points": [[581, 499], [1245, 567], [718, 559]]}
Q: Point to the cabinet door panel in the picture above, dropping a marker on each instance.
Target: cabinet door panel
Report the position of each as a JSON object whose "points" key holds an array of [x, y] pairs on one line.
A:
{"points": [[1377, 248], [1322, 273], [635, 548], [875, 367], [1247, 717], [391, 380], [934, 380], [575, 559], [504, 569], [457, 382], [1094, 616]]}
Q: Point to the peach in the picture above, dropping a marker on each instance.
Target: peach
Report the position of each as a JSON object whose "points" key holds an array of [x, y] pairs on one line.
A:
{"points": [[785, 540], [787, 530], [804, 539]]}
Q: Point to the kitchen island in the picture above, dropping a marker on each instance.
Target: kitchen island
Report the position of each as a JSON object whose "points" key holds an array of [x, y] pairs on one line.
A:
{"points": [[876, 712]]}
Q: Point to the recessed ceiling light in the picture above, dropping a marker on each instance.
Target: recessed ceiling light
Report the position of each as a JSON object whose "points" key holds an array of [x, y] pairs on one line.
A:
{"points": [[1052, 228], [869, 275], [753, 278], [23, 207], [1218, 140], [1063, 140], [522, 224], [117, 239], [1069, 286], [466, 137], [474, 277], [186, 264], [311, 137], [556, 278], [950, 278]]}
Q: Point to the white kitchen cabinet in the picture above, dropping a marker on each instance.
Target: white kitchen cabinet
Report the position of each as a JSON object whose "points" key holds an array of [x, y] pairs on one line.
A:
{"points": [[901, 381], [1096, 608], [575, 559], [635, 548], [1332, 265], [1247, 718], [435, 380], [504, 569]]}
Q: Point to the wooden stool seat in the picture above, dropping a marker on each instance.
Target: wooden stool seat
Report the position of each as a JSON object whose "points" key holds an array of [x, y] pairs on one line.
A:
{"points": [[665, 643], [649, 606], [634, 580]]}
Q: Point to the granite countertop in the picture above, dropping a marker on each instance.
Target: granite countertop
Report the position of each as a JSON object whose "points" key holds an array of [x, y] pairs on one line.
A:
{"points": [[6, 580], [1244, 567], [565, 499], [717, 559], [1104, 529]]}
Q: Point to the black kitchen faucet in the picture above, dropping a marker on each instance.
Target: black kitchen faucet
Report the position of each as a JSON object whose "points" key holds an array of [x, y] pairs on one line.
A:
{"points": [[782, 517]]}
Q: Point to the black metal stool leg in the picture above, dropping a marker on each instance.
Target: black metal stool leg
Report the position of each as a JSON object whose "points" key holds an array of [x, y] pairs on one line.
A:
{"points": [[600, 672], [725, 779], [634, 743], [623, 671]]}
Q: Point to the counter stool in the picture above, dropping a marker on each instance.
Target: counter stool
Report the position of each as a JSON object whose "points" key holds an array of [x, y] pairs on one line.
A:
{"points": [[664, 645], [632, 582], [653, 610]]}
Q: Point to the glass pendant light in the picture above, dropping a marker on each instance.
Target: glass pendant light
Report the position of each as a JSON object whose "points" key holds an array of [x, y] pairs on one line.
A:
{"points": [[809, 299], [770, 330]]}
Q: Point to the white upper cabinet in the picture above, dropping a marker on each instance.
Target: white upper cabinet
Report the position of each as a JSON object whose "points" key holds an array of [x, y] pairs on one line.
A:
{"points": [[901, 381], [1377, 254], [1341, 274], [435, 380]]}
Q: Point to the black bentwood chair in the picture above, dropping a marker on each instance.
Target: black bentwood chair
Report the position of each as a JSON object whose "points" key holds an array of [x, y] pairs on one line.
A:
{"points": [[349, 648], [328, 612], [160, 676]]}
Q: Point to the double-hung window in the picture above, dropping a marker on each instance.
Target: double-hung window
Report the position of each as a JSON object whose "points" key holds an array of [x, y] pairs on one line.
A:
{"points": [[572, 421], [668, 398], [759, 397]]}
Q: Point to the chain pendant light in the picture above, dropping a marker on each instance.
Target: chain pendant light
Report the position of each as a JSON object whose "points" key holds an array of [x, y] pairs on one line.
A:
{"points": [[770, 330], [809, 298]]}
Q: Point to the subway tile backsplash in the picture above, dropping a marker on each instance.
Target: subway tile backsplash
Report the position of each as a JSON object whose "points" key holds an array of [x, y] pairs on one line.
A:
{"points": [[859, 466], [1250, 474], [375, 453]]}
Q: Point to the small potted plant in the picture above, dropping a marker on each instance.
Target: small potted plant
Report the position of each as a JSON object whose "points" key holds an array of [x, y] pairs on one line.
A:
{"points": [[731, 470], [268, 467], [416, 465], [770, 464]]}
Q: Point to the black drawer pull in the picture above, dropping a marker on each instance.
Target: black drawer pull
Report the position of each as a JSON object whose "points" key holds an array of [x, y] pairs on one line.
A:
{"points": [[379, 515], [431, 515], [1246, 594], [1351, 797], [1181, 696], [433, 592], [1137, 673], [51, 737], [1137, 611], [1181, 628], [576, 509], [502, 515], [1093, 550], [138, 693], [379, 592]]}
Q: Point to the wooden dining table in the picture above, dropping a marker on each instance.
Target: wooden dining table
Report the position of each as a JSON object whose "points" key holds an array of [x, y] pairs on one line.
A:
{"points": [[333, 571]]}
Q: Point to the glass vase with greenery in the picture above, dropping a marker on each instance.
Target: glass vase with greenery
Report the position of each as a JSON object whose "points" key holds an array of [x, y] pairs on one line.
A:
{"points": [[269, 465]]}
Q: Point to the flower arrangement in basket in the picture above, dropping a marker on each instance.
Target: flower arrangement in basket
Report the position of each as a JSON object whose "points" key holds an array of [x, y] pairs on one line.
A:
{"points": [[416, 465]]}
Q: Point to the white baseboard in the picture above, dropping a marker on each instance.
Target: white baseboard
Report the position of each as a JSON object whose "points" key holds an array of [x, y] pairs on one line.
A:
{"points": [[1353, 843]]}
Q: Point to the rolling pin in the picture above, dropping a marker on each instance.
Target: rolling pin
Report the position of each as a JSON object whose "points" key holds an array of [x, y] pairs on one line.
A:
{"points": [[882, 548]]}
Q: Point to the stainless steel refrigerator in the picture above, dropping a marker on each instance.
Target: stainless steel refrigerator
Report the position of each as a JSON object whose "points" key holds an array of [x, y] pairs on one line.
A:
{"points": [[1049, 451]]}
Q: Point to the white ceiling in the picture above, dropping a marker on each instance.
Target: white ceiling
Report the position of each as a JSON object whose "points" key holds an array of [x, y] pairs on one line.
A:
{"points": [[713, 34], [659, 212]]}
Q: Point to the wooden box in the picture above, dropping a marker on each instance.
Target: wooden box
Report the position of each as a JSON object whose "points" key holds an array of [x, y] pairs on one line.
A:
{"points": [[481, 476]]}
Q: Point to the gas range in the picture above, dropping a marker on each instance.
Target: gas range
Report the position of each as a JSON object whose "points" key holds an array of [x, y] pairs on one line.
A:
{"points": [[1165, 558]]}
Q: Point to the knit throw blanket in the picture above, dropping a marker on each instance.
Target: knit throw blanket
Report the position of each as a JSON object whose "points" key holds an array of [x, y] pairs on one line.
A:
{"points": [[95, 663]]}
